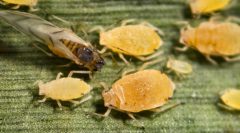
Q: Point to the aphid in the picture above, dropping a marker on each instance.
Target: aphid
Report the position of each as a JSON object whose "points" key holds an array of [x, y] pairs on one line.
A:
{"points": [[18, 3], [143, 90], [179, 67], [136, 40], [213, 38], [60, 41], [231, 98], [65, 89], [207, 6]]}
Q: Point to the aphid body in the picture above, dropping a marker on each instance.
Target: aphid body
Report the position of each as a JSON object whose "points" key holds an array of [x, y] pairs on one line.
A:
{"points": [[143, 90], [60, 41], [207, 6], [136, 40], [64, 89], [30, 3], [213, 38], [179, 67], [231, 97]]}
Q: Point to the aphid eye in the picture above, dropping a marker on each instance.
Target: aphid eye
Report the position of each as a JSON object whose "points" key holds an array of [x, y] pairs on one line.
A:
{"points": [[85, 54]]}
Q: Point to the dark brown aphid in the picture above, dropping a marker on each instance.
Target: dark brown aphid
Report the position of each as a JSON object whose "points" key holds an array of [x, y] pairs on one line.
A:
{"points": [[62, 42]]}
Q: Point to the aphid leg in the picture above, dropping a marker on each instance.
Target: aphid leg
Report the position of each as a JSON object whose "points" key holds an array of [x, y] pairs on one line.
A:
{"points": [[233, 19], [166, 107], [32, 9], [183, 49], [97, 28], [127, 21], [81, 101], [234, 59], [16, 7], [66, 65], [225, 107], [43, 100], [59, 75], [149, 57], [149, 63], [183, 23], [128, 71], [212, 61], [61, 20], [107, 112], [215, 18], [123, 58], [114, 61], [79, 72], [103, 50], [59, 104], [131, 116], [47, 53], [159, 31]]}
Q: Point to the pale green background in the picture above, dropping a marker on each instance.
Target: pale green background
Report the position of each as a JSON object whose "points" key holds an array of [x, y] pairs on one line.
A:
{"points": [[21, 65]]}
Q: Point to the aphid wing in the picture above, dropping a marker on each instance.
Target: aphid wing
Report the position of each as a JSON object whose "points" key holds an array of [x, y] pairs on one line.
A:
{"points": [[28, 24], [42, 31]]}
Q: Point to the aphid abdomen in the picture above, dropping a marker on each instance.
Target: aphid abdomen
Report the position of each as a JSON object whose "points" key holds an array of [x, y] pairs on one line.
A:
{"points": [[143, 91], [204, 39], [72, 46], [227, 39]]}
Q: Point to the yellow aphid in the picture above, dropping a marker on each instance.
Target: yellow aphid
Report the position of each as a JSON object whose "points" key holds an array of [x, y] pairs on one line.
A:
{"points": [[179, 67], [18, 3], [143, 90], [207, 6], [64, 89], [137, 40], [213, 39], [231, 97]]}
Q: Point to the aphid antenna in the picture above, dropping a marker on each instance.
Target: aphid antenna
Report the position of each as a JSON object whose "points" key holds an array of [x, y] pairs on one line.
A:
{"points": [[149, 63], [128, 71], [104, 85], [38, 82], [127, 22], [97, 28]]}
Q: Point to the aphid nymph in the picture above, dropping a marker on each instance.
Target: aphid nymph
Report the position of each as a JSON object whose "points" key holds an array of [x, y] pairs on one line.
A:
{"points": [[62, 42], [65, 89], [179, 67]]}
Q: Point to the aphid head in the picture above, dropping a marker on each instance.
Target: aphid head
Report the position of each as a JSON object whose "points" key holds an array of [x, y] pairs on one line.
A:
{"points": [[187, 36], [42, 88], [90, 58], [109, 98]]}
